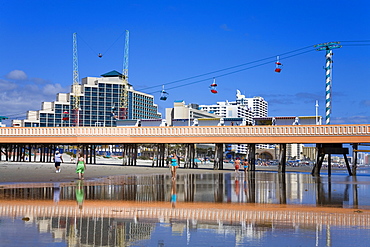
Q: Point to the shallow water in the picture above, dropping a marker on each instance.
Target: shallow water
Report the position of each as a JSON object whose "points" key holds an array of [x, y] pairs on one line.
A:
{"points": [[38, 228], [118, 232]]}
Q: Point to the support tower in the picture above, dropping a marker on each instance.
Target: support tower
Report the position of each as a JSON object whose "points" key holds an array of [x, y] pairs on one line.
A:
{"points": [[328, 47]]}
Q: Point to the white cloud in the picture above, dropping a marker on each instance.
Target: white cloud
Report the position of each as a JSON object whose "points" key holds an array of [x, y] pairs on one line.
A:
{"points": [[225, 27], [18, 98], [16, 75], [351, 119], [365, 102], [52, 89], [7, 85]]}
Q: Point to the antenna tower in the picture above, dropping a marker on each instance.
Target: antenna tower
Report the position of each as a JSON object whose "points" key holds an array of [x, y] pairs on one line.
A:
{"points": [[123, 110]]}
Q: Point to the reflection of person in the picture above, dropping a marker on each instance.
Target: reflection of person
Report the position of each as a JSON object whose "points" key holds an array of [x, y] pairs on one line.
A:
{"points": [[56, 193], [174, 165], [237, 188], [245, 188], [57, 159], [79, 194], [81, 167], [173, 194]]}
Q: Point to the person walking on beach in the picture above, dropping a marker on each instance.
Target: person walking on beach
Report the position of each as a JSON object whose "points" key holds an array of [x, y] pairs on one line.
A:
{"points": [[81, 167], [237, 165], [245, 166], [174, 166], [57, 159]]}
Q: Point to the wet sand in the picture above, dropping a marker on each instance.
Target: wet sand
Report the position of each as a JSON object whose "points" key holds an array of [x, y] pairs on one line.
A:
{"points": [[26, 172]]}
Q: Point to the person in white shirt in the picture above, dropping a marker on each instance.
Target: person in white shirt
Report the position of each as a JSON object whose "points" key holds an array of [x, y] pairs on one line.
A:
{"points": [[58, 160]]}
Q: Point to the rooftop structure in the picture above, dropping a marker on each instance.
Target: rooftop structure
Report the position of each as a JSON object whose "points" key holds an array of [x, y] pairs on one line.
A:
{"points": [[182, 112], [1, 119]]}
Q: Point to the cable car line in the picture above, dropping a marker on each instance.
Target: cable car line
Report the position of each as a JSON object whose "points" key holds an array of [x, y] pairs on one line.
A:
{"points": [[99, 54], [355, 41], [233, 67], [272, 60], [79, 36], [356, 45], [114, 43]]}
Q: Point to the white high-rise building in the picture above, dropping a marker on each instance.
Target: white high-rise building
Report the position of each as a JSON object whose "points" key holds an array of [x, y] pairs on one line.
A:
{"points": [[242, 107]]}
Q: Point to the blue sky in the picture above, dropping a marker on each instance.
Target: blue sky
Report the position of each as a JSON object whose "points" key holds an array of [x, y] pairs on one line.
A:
{"points": [[174, 40]]}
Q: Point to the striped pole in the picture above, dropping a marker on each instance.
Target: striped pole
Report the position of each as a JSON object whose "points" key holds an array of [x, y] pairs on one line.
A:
{"points": [[328, 68]]}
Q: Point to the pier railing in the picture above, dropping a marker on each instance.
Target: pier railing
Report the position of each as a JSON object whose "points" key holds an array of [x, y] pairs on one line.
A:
{"points": [[303, 133]]}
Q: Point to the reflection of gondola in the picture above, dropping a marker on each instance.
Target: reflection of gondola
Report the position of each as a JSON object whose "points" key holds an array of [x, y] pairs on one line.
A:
{"points": [[65, 116]]}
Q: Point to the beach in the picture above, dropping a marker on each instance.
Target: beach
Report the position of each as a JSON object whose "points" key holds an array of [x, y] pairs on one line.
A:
{"points": [[109, 170], [19, 172]]}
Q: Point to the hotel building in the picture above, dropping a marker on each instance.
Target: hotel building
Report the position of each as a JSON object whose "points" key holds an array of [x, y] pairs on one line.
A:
{"points": [[99, 103]]}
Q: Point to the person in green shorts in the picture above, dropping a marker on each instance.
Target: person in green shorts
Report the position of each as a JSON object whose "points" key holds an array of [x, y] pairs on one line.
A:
{"points": [[81, 167]]}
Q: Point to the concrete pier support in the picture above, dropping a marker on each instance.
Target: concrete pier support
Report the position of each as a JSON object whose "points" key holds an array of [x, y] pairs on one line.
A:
{"points": [[190, 156], [322, 149], [219, 157], [252, 157], [354, 165], [282, 158], [129, 154]]}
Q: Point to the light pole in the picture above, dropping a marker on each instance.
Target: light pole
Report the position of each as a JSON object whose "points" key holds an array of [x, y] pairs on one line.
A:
{"points": [[189, 115]]}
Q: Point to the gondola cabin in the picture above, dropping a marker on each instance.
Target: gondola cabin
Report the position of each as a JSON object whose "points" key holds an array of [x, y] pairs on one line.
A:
{"points": [[278, 67], [212, 87], [164, 95]]}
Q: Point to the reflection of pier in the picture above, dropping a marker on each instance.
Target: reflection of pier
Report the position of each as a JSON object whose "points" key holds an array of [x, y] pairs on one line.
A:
{"points": [[265, 188], [196, 212]]}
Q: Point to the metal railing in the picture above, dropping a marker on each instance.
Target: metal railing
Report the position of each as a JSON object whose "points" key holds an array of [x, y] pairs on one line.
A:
{"points": [[259, 131]]}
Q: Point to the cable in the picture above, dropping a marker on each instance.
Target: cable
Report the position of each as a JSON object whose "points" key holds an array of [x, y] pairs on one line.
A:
{"points": [[87, 44], [108, 47], [236, 71], [357, 45], [113, 43], [270, 60], [233, 67], [354, 41]]}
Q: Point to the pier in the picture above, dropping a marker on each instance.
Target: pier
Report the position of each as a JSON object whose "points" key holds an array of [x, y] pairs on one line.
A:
{"points": [[329, 139]]}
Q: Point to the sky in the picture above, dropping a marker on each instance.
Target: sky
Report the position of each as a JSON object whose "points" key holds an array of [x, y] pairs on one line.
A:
{"points": [[183, 45]]}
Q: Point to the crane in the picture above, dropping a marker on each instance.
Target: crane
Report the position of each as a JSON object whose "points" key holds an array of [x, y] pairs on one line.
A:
{"points": [[123, 109], [76, 87]]}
